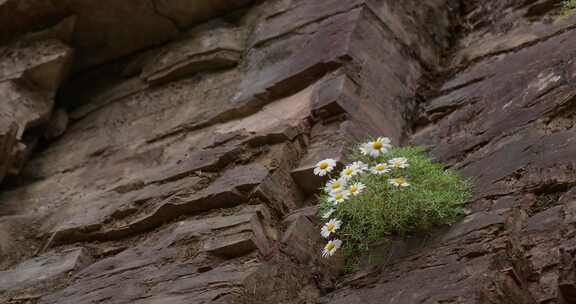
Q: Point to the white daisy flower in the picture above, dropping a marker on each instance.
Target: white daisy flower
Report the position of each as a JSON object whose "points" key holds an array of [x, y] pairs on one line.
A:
{"points": [[348, 172], [398, 182], [356, 188], [380, 169], [338, 197], [352, 170], [330, 227], [331, 248], [399, 163], [328, 213], [324, 167], [360, 165], [335, 185], [376, 147]]}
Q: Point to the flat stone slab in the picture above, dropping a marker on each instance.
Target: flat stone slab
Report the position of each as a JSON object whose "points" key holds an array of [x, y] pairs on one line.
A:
{"points": [[175, 265], [43, 269], [204, 49], [46, 63]]}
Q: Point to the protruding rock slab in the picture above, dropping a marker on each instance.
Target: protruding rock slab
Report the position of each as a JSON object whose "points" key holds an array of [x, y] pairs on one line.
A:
{"points": [[24, 107], [204, 49], [336, 96], [176, 264], [45, 63], [20, 110], [326, 141], [246, 237], [30, 74], [45, 269], [289, 65], [97, 36], [114, 216]]}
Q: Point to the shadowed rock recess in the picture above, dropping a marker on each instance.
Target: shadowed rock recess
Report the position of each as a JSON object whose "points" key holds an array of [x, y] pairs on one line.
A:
{"points": [[161, 151]]}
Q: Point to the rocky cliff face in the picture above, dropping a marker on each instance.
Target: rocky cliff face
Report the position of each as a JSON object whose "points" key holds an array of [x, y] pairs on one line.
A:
{"points": [[161, 151]]}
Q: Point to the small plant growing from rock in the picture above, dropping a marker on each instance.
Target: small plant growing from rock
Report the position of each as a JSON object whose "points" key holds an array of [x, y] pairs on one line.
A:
{"points": [[385, 191], [568, 6]]}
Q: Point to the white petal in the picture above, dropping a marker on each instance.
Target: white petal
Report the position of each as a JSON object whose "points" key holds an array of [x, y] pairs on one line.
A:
{"points": [[338, 243], [325, 233]]}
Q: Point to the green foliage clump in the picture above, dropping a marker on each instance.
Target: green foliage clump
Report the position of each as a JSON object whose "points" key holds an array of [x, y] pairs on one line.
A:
{"points": [[568, 6], [434, 196]]}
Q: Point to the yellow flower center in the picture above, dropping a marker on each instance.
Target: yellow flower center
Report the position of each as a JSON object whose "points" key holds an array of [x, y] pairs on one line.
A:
{"points": [[338, 196], [323, 166], [336, 185], [377, 145], [348, 171], [353, 189], [330, 246], [330, 226], [380, 167], [399, 181]]}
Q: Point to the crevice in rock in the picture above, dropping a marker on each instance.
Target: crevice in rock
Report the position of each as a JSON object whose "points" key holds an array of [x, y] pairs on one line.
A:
{"points": [[430, 86], [537, 11], [159, 13], [548, 195]]}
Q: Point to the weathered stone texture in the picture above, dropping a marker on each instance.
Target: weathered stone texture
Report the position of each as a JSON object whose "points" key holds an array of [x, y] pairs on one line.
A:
{"points": [[43, 270], [187, 157], [203, 49], [96, 34], [30, 74], [503, 119], [177, 164]]}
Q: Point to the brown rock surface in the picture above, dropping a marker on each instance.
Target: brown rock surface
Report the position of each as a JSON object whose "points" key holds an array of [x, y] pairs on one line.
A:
{"points": [[43, 270], [30, 74], [203, 49], [182, 172], [504, 120], [97, 37]]}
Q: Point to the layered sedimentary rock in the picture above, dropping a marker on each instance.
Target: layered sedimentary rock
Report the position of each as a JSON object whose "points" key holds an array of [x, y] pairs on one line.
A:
{"points": [[30, 74], [181, 170], [505, 119], [106, 30]]}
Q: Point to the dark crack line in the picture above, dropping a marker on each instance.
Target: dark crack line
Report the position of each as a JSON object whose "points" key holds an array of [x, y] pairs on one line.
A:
{"points": [[462, 85], [160, 14]]}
